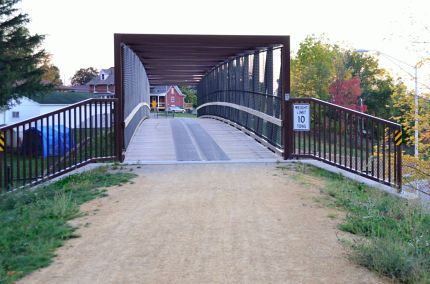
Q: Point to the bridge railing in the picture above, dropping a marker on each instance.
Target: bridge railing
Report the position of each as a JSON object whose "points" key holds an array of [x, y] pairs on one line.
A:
{"points": [[246, 90], [52, 144], [348, 139], [135, 93]]}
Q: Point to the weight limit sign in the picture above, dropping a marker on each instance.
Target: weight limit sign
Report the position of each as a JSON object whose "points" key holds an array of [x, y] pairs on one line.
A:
{"points": [[301, 117]]}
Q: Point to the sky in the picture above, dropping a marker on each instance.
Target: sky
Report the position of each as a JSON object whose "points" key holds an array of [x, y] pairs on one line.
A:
{"points": [[79, 33]]}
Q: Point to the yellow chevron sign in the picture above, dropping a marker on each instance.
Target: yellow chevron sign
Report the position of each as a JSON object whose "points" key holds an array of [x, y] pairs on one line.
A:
{"points": [[1, 142], [398, 137]]}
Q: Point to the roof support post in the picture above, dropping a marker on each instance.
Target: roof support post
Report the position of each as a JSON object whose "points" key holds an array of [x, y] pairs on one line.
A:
{"points": [[287, 124], [119, 108]]}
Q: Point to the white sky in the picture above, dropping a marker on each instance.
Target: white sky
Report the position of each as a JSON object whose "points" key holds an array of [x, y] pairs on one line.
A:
{"points": [[80, 32]]}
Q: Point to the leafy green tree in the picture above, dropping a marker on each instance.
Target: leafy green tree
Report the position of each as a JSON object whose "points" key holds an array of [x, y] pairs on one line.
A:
{"points": [[190, 95], [312, 70], [84, 75], [403, 112], [20, 56], [51, 72], [376, 84]]}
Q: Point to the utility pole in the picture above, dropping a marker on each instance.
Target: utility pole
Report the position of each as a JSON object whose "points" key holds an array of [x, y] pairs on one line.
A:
{"points": [[416, 110], [415, 77]]}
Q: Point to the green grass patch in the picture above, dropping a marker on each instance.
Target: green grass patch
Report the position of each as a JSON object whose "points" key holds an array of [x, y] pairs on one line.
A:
{"points": [[34, 222], [394, 234]]}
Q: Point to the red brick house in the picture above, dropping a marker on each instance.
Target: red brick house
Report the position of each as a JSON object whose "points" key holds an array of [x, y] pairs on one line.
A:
{"points": [[103, 83], [167, 95]]}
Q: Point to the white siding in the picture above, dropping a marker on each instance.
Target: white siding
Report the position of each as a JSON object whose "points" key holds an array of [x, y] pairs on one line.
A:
{"points": [[25, 107], [96, 121], [29, 109]]}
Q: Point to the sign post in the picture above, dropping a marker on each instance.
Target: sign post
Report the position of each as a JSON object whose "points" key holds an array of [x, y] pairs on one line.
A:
{"points": [[301, 117]]}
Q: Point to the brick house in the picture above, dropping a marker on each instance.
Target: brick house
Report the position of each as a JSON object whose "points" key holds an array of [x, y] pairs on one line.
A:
{"points": [[103, 83], [167, 95]]}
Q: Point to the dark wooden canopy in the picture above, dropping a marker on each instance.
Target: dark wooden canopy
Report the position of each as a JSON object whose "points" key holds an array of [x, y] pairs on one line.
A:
{"points": [[185, 59]]}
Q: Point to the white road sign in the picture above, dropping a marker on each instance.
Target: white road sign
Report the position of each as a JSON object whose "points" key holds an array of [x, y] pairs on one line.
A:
{"points": [[301, 117]]}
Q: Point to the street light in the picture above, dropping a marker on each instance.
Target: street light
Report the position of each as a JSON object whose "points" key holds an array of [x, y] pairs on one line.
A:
{"points": [[415, 67]]}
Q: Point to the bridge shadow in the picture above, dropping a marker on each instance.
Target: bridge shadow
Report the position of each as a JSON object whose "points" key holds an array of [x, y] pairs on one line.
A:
{"points": [[189, 140]]}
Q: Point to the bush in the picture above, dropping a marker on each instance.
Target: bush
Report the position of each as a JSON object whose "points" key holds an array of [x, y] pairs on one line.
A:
{"points": [[394, 233]]}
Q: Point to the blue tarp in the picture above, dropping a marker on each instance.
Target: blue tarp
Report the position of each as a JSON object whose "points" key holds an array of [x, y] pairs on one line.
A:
{"points": [[55, 140]]}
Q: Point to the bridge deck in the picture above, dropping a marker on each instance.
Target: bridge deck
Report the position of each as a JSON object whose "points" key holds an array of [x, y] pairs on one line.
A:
{"points": [[187, 139]]}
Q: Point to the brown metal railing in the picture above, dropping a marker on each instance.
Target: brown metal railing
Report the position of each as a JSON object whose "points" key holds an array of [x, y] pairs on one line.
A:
{"points": [[49, 145], [348, 139]]}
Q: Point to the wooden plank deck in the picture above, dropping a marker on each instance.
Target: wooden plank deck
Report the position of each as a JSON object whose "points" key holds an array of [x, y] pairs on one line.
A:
{"points": [[157, 140]]}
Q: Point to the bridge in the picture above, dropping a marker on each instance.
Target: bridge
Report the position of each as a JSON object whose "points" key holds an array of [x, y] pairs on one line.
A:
{"points": [[245, 111], [174, 140]]}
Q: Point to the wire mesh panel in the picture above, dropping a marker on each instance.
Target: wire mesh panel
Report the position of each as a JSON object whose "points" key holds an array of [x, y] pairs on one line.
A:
{"points": [[246, 90], [136, 92], [54, 143], [351, 140]]}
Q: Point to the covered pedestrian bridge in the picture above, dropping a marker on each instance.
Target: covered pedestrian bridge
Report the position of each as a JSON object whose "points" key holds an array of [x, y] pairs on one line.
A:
{"points": [[243, 81], [244, 108], [240, 79]]}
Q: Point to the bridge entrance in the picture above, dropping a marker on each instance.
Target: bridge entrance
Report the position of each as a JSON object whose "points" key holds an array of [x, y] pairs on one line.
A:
{"points": [[243, 84], [241, 79]]}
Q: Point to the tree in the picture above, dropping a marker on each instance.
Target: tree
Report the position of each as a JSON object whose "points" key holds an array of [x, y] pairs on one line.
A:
{"points": [[346, 93], [376, 84], [51, 72], [403, 112], [312, 70], [84, 75], [20, 56], [190, 95]]}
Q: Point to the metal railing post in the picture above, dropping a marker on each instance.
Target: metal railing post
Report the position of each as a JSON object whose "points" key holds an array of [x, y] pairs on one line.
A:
{"points": [[399, 166], [287, 128]]}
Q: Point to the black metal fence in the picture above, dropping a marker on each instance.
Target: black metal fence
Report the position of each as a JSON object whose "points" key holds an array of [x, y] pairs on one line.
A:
{"points": [[54, 143], [348, 139], [246, 90]]}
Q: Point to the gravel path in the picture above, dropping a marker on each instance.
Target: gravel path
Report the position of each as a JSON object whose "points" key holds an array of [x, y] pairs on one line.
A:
{"points": [[231, 223]]}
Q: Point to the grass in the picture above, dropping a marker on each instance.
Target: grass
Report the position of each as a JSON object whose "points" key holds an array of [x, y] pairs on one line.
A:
{"points": [[20, 164], [392, 234], [34, 222], [163, 114]]}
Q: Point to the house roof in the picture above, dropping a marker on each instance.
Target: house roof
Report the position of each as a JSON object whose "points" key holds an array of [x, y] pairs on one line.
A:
{"points": [[62, 98], [179, 91], [110, 80], [78, 88], [160, 93]]}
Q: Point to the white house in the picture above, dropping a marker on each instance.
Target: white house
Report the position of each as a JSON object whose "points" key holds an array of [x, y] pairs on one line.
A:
{"points": [[26, 108], [20, 110]]}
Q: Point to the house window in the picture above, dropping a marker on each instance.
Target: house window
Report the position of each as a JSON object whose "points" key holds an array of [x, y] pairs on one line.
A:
{"points": [[103, 76], [15, 114], [172, 99]]}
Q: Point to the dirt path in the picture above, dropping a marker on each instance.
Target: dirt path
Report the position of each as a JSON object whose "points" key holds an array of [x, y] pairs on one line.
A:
{"points": [[205, 224]]}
